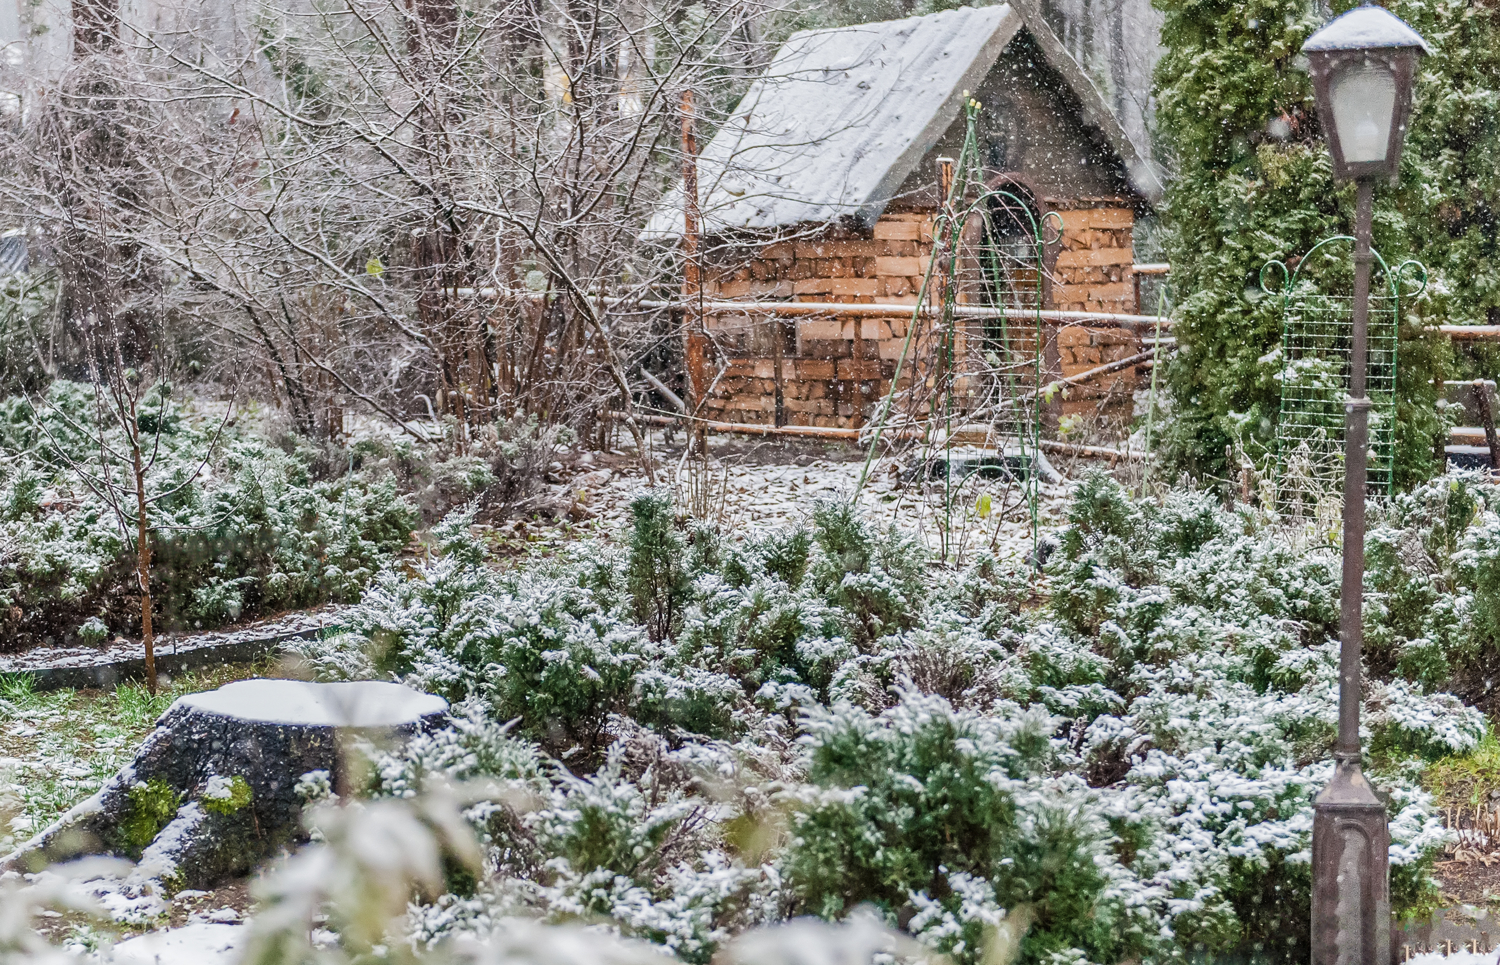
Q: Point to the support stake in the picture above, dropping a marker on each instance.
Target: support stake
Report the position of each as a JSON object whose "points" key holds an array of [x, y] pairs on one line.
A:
{"points": [[694, 351], [1482, 402]]}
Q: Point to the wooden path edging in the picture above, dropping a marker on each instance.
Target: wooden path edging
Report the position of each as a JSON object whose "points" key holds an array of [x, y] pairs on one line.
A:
{"points": [[112, 664]]}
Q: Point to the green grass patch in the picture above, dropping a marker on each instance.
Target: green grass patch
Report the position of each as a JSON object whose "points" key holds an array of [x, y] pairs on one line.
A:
{"points": [[1466, 780], [59, 746]]}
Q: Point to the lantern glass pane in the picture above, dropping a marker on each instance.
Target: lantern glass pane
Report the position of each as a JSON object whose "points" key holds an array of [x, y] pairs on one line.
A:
{"points": [[1364, 106]]}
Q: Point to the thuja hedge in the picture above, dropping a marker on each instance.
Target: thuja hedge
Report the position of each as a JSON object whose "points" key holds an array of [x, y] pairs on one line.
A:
{"points": [[1252, 182]]}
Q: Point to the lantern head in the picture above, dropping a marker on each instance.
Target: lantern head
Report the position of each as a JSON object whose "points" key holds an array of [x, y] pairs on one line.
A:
{"points": [[1363, 64]]}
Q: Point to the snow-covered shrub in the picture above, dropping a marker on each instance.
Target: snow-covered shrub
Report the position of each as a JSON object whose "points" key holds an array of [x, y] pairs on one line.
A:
{"points": [[655, 575], [1432, 612], [93, 632], [956, 662], [242, 527], [785, 555], [606, 823], [989, 594], [674, 634], [501, 467], [877, 579], [472, 747], [945, 819], [1123, 749], [272, 538], [533, 647], [628, 844]]}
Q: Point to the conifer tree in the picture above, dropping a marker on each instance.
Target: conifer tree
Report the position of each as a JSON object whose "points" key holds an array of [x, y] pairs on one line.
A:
{"points": [[1253, 182]]}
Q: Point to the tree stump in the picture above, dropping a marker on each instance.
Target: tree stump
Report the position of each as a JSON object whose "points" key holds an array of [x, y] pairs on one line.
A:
{"points": [[214, 789]]}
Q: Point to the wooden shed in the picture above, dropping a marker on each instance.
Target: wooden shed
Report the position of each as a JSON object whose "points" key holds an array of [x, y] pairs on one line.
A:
{"points": [[823, 187]]}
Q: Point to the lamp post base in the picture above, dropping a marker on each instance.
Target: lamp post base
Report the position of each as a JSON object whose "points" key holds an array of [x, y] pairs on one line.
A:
{"points": [[1351, 906]]}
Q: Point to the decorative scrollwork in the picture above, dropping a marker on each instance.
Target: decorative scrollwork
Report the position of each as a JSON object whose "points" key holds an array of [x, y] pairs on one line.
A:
{"points": [[1050, 217], [1418, 274], [1286, 277]]}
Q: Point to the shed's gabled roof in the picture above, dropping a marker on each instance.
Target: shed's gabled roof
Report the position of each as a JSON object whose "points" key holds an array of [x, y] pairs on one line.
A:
{"points": [[842, 116]]}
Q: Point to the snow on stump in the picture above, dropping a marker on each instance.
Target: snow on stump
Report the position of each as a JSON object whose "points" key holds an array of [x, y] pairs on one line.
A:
{"points": [[201, 943], [214, 789]]}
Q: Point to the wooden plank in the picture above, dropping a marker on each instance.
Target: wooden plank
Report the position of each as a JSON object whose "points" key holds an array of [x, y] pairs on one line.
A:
{"points": [[1084, 218], [897, 230], [1471, 333], [854, 287], [1094, 257], [908, 267]]}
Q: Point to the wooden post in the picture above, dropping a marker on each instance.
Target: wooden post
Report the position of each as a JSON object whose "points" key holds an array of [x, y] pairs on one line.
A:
{"points": [[939, 273], [693, 354], [857, 354], [1137, 272], [778, 333], [1440, 441], [1482, 401]]}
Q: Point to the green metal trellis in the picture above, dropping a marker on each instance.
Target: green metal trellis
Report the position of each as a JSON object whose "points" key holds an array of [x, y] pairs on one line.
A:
{"points": [[1314, 376]]}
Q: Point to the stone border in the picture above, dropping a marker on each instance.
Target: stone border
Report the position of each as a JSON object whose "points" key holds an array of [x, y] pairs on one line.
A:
{"points": [[56, 668]]}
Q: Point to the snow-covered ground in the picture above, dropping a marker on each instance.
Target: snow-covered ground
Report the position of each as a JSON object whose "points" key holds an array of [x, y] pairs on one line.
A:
{"points": [[775, 482], [1457, 958], [749, 487], [58, 747], [51, 758], [304, 623], [54, 751]]}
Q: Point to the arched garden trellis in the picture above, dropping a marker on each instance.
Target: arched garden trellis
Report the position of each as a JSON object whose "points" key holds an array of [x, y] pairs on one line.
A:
{"points": [[975, 345], [1315, 345]]}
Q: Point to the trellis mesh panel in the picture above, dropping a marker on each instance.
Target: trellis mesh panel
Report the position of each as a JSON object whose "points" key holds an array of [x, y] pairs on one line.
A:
{"points": [[1314, 383], [976, 356]]}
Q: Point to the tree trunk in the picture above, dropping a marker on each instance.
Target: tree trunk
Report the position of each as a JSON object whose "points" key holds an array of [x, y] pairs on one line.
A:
{"points": [[143, 551]]}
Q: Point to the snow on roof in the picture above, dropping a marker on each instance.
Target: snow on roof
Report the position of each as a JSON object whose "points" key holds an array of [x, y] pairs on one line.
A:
{"points": [[362, 703], [839, 119], [842, 116], [1364, 27]]}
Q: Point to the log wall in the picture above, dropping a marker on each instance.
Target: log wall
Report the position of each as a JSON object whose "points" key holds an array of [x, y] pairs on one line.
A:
{"points": [[833, 370]]}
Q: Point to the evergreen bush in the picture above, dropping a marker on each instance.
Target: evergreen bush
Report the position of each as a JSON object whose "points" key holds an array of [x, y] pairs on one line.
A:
{"points": [[252, 532], [1253, 182], [657, 581], [943, 819], [1122, 750]]}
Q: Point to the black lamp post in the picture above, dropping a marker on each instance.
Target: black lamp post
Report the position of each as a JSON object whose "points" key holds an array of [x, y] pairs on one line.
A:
{"points": [[1362, 66]]}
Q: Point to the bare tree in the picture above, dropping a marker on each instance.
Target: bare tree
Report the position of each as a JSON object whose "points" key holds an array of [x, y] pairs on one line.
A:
{"points": [[131, 416], [379, 203]]}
